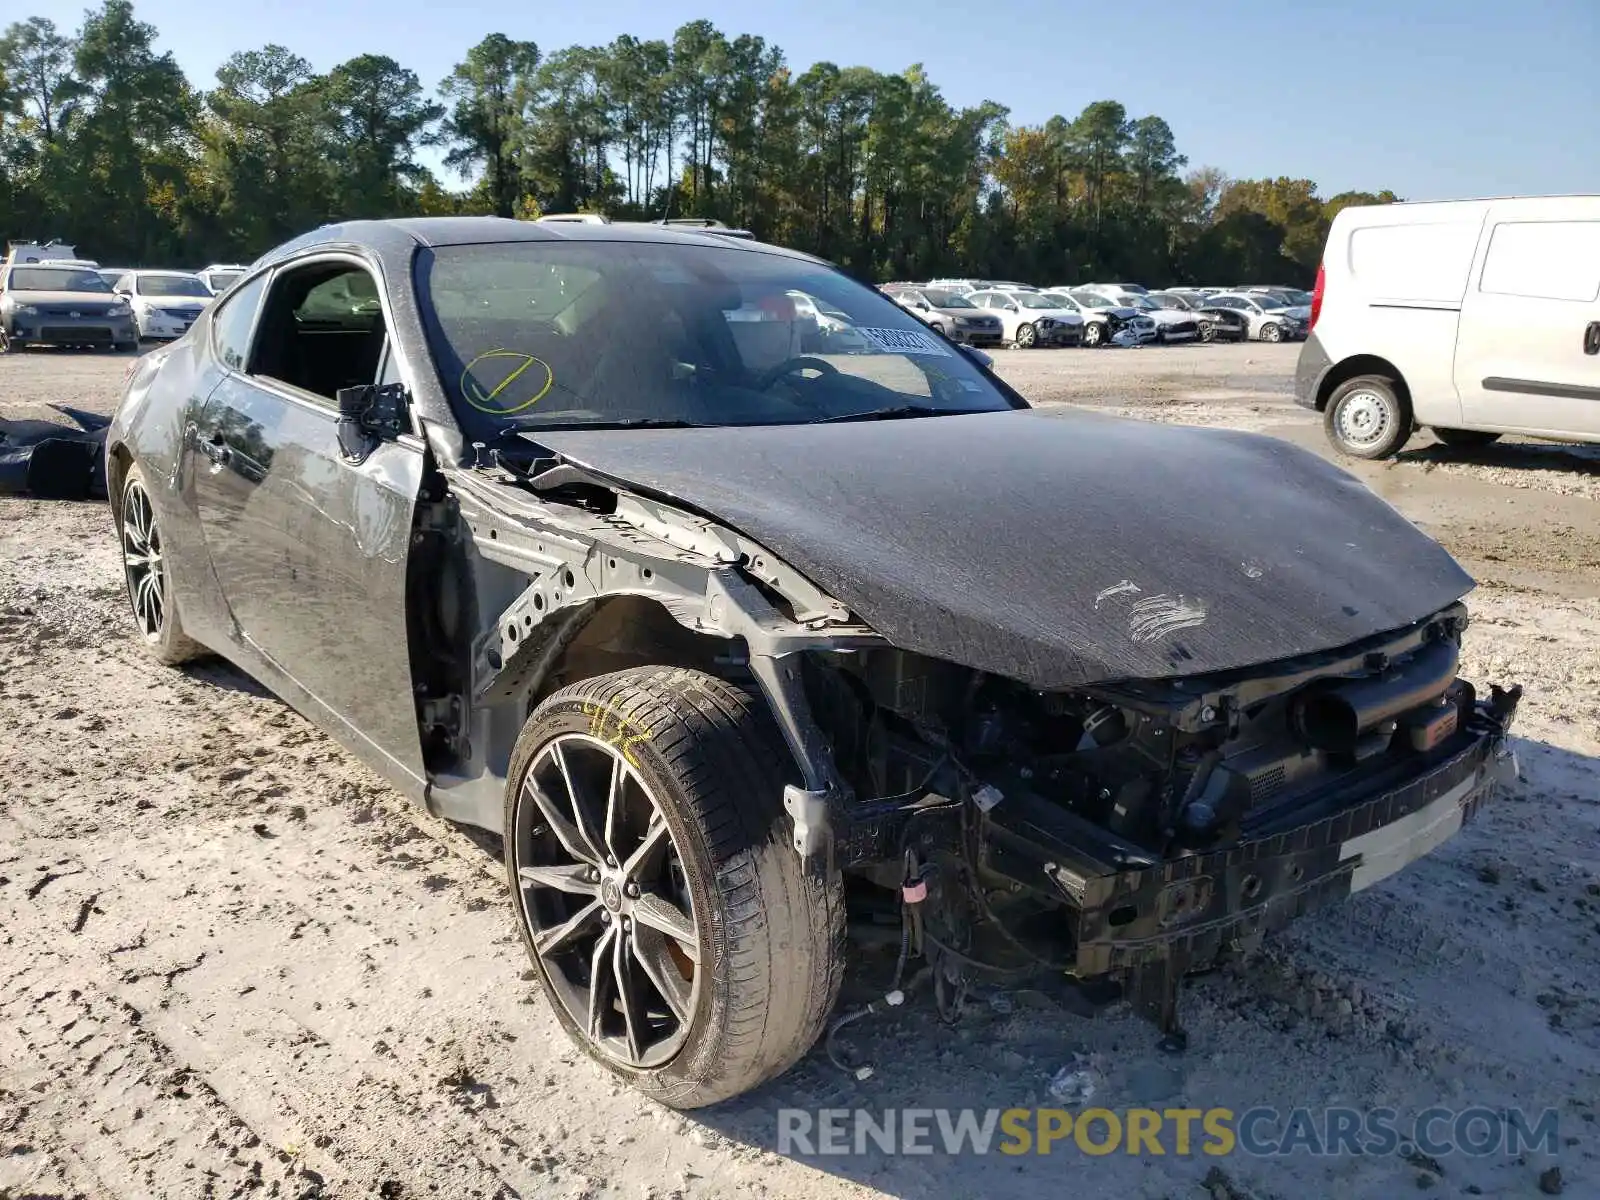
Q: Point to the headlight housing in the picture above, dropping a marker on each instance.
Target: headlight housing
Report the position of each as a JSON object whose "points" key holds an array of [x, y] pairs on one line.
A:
{"points": [[26, 310], [120, 309]]}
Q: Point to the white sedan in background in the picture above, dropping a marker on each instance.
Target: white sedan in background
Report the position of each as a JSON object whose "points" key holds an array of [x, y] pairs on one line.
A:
{"points": [[1270, 319], [165, 303], [1029, 319], [219, 277]]}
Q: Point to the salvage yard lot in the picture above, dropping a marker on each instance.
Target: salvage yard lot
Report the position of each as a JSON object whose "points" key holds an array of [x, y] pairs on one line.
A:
{"points": [[231, 958]]}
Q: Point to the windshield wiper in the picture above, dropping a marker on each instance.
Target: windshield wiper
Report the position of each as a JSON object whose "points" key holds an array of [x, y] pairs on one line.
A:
{"points": [[900, 411]]}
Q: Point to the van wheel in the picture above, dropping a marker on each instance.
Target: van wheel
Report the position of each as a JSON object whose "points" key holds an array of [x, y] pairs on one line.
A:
{"points": [[681, 941], [1367, 418], [1465, 438]]}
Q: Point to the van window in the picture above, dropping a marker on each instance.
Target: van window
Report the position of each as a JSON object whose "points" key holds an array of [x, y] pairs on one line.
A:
{"points": [[1546, 260], [1414, 261]]}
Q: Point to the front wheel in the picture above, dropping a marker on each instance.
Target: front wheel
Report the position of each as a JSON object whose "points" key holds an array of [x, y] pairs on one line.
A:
{"points": [[1367, 417], [1272, 333], [681, 941], [1208, 333], [1027, 336], [1465, 439], [1092, 333]]}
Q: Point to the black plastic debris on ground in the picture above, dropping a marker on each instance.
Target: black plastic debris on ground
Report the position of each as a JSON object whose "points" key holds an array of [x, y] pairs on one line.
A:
{"points": [[53, 461]]}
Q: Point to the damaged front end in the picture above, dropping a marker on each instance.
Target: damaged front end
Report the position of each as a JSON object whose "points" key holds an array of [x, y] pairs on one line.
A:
{"points": [[1137, 831]]}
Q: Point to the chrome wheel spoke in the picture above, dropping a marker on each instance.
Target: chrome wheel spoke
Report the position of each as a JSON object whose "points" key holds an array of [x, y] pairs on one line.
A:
{"points": [[570, 877], [656, 838], [635, 1020], [650, 949], [601, 980], [557, 937], [662, 914], [614, 790], [570, 837], [576, 799]]}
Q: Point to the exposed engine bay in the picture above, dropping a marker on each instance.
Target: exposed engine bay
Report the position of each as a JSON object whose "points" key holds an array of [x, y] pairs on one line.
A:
{"points": [[1002, 805]]}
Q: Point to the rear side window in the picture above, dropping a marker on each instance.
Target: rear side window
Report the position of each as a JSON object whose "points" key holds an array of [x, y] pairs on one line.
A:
{"points": [[1544, 260], [1422, 262], [231, 334]]}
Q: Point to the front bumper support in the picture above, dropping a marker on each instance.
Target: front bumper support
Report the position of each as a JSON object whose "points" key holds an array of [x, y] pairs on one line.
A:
{"points": [[1149, 923]]}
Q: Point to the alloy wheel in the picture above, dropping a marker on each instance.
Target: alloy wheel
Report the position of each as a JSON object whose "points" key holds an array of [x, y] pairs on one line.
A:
{"points": [[142, 563], [603, 893], [1026, 336]]}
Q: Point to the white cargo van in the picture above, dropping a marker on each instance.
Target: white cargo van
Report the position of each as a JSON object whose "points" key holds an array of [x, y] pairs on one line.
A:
{"points": [[1472, 317]]}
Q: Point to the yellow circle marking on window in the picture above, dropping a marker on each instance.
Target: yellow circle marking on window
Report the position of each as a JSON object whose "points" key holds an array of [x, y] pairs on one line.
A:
{"points": [[472, 391]]}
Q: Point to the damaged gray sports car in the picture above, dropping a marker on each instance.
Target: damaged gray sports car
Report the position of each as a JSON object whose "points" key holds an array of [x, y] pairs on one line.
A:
{"points": [[740, 627]]}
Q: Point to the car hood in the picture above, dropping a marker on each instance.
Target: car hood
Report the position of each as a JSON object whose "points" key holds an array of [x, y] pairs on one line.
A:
{"points": [[84, 298], [175, 301], [1058, 550]]}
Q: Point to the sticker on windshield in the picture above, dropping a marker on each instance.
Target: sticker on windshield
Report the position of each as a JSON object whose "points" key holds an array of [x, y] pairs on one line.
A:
{"points": [[502, 382], [902, 341]]}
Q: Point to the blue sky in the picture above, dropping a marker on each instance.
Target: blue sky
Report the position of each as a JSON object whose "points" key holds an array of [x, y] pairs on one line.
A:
{"points": [[1433, 98]]}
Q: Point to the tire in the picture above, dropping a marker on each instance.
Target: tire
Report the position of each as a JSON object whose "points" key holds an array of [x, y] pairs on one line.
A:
{"points": [[1465, 438], [1367, 417], [1272, 332], [1208, 333], [765, 929], [1027, 336], [150, 592], [1093, 333]]}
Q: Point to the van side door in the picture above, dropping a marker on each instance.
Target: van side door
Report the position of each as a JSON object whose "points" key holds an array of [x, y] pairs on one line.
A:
{"points": [[1528, 349]]}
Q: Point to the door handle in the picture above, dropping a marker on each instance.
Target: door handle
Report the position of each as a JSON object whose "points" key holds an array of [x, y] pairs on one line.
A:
{"points": [[216, 449], [1591, 338]]}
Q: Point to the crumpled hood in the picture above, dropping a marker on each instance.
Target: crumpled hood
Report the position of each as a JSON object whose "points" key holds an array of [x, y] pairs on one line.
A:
{"points": [[1056, 549]]}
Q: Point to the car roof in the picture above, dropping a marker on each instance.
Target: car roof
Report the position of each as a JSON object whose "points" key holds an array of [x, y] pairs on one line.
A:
{"points": [[401, 233]]}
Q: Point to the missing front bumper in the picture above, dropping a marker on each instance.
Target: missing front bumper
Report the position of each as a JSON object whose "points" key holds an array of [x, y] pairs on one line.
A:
{"points": [[1149, 923]]}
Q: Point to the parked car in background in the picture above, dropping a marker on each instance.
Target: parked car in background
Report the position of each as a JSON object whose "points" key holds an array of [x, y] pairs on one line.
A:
{"points": [[1174, 323], [1030, 319], [219, 277], [53, 303], [951, 313], [1269, 320], [165, 303], [1474, 318], [1227, 324], [21, 252], [960, 286], [1176, 302], [1119, 317], [1099, 324]]}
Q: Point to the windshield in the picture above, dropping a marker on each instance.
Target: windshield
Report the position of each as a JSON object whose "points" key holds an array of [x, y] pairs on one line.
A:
{"points": [[1066, 302], [532, 335], [948, 300], [1272, 302], [1168, 300], [1035, 300], [223, 279], [56, 279], [172, 285], [1091, 300]]}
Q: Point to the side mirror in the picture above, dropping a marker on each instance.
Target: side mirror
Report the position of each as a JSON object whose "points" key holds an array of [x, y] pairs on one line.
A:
{"points": [[368, 414], [922, 304]]}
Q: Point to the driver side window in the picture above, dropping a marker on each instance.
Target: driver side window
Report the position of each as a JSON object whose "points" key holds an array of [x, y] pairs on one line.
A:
{"points": [[321, 329]]}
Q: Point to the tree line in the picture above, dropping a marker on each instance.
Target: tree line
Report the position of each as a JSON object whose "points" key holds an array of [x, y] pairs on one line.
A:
{"points": [[105, 142]]}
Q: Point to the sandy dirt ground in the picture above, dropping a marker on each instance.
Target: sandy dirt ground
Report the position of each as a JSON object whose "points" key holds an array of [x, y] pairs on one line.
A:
{"points": [[233, 962]]}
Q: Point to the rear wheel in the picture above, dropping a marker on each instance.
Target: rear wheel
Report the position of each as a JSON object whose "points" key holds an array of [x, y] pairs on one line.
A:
{"points": [[1465, 438], [1367, 417], [144, 568], [680, 940]]}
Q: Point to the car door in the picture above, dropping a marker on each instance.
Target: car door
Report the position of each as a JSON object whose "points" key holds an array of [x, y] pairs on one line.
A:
{"points": [[1527, 351], [309, 546]]}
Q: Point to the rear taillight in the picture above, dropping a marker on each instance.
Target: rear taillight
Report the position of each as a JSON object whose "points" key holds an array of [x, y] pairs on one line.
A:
{"points": [[1316, 294]]}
